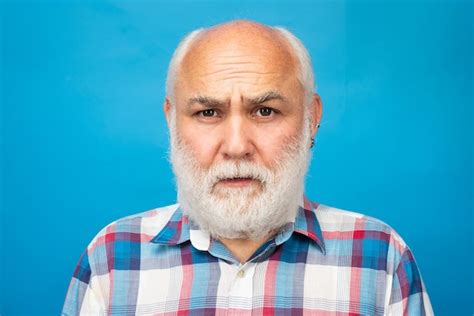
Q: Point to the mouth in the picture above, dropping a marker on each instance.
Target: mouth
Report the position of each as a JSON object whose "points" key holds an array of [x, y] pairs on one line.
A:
{"points": [[238, 182]]}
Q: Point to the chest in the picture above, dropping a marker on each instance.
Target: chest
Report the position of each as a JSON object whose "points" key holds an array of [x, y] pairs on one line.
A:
{"points": [[267, 287]]}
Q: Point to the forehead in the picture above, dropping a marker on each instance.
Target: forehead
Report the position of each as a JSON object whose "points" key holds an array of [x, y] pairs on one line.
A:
{"points": [[255, 58]]}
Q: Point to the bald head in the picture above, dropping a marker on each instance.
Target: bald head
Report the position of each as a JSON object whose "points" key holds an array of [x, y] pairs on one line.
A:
{"points": [[266, 48], [244, 28], [240, 39], [243, 34]]}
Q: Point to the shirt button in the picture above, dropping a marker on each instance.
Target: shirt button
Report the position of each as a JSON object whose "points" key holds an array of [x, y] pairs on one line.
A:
{"points": [[241, 273]]}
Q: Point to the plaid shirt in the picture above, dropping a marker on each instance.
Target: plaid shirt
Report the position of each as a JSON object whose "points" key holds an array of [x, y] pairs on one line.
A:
{"points": [[327, 262]]}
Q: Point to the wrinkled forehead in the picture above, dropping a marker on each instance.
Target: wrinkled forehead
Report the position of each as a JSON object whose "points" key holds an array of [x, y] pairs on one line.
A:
{"points": [[260, 48]]}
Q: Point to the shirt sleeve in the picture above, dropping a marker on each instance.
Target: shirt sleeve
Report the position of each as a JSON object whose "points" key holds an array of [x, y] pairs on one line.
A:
{"points": [[82, 298], [408, 293]]}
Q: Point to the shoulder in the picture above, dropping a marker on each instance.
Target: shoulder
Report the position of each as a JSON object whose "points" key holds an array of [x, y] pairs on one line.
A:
{"points": [[136, 228], [374, 246], [365, 235], [335, 219]]}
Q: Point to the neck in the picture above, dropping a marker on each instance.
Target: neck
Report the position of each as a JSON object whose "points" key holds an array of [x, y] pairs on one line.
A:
{"points": [[243, 249]]}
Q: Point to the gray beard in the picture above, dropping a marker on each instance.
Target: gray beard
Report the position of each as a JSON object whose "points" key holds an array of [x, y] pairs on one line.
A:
{"points": [[251, 212]]}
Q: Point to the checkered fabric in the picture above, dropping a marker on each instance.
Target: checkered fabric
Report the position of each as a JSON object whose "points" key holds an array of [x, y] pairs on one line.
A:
{"points": [[327, 262]]}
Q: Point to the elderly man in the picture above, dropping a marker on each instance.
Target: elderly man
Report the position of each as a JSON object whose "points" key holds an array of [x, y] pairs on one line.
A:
{"points": [[243, 239]]}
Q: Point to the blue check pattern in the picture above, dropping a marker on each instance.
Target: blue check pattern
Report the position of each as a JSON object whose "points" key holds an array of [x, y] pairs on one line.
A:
{"points": [[328, 262]]}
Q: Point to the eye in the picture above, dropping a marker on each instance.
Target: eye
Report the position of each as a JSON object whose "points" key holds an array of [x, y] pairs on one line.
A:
{"points": [[208, 113], [265, 112]]}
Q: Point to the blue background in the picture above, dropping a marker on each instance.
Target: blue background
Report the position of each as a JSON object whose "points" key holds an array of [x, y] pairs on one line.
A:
{"points": [[84, 140]]}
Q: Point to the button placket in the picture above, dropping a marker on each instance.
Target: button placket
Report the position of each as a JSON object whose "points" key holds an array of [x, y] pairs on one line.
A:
{"points": [[240, 292], [241, 273]]}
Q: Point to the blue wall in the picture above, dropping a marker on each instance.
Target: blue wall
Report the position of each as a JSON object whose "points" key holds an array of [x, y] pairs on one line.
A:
{"points": [[84, 139]]}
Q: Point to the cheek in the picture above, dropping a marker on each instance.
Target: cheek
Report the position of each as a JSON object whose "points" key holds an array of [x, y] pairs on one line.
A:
{"points": [[270, 148], [201, 143], [272, 142]]}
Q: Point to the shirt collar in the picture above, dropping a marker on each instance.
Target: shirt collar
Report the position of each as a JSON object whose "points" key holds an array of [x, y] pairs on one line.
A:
{"points": [[178, 229], [307, 224]]}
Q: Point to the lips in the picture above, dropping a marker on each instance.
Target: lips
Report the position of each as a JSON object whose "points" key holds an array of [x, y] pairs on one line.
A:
{"points": [[237, 181], [238, 178]]}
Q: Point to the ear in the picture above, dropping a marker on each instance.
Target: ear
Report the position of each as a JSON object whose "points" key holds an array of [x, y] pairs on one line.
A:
{"points": [[167, 110], [316, 112]]}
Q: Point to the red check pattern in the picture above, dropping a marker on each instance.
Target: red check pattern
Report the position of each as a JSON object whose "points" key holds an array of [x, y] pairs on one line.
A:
{"points": [[328, 262]]}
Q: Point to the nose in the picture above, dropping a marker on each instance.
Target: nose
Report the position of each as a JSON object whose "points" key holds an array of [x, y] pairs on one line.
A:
{"points": [[237, 141]]}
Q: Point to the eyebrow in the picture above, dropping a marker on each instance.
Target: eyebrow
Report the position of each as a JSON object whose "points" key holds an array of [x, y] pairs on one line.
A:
{"points": [[213, 103], [205, 101], [267, 96]]}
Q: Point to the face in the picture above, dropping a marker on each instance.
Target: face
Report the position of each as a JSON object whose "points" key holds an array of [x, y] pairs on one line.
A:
{"points": [[233, 102], [240, 106]]}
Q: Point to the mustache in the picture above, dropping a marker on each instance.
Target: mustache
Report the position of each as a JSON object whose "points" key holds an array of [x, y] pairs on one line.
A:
{"points": [[238, 169]]}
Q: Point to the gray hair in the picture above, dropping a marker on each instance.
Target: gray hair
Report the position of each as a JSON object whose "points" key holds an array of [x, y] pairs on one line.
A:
{"points": [[305, 76]]}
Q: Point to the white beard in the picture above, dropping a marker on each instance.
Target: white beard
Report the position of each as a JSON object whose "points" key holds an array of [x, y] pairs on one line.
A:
{"points": [[251, 212]]}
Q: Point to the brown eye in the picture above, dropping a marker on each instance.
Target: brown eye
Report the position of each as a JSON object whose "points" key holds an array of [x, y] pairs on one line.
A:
{"points": [[265, 111], [208, 113]]}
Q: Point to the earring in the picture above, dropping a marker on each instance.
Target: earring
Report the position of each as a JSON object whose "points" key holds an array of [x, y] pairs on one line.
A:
{"points": [[312, 138]]}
